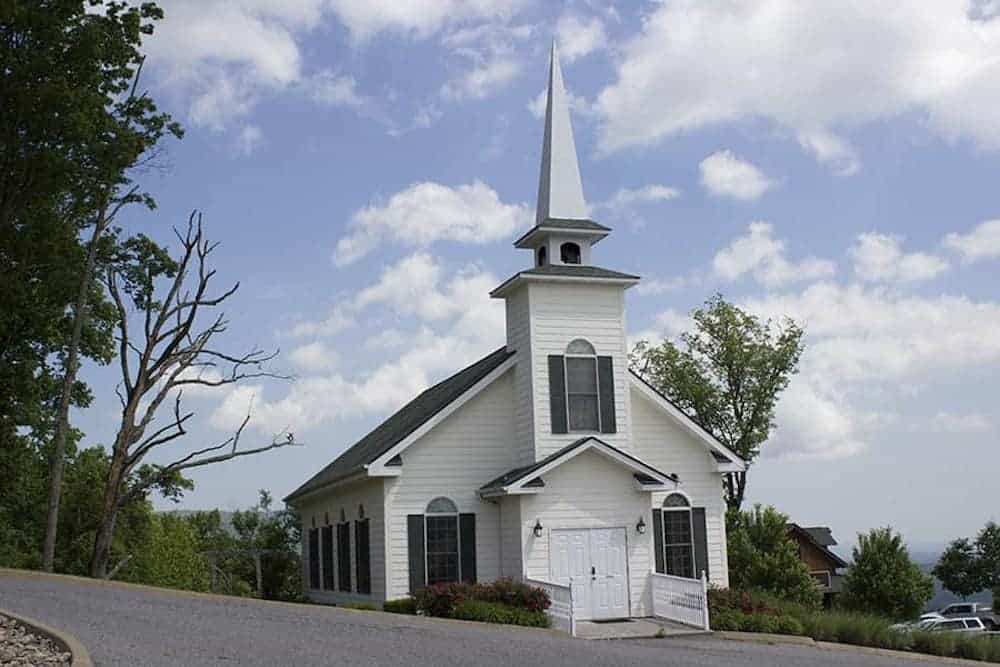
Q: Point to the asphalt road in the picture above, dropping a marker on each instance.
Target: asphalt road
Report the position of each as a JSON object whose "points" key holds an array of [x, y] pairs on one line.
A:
{"points": [[130, 625]]}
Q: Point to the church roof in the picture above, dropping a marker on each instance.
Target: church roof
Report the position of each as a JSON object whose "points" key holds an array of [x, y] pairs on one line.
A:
{"points": [[594, 229], [560, 191], [562, 271], [404, 422]]}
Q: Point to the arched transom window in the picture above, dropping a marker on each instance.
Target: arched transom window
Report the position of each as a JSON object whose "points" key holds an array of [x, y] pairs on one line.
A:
{"points": [[678, 542], [582, 398], [441, 532]]}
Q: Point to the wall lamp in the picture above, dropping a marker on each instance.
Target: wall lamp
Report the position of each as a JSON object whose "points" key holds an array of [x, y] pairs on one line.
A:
{"points": [[641, 526], [537, 530]]}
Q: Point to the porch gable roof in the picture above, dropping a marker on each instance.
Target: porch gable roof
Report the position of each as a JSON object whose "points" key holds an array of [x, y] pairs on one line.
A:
{"points": [[527, 479]]}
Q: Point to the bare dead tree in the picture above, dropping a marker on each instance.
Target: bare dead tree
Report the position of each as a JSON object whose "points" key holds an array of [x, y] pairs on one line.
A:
{"points": [[174, 350]]}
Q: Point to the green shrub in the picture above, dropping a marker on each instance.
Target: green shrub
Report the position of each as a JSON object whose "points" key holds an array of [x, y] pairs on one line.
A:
{"points": [[362, 606], [994, 648], [727, 620], [761, 623], [787, 625], [973, 648], [884, 579], [401, 606], [497, 612], [442, 599], [934, 643]]}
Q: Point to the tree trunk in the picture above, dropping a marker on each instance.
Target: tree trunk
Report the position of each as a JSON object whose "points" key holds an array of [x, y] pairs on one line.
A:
{"points": [[58, 455], [735, 488], [109, 513]]}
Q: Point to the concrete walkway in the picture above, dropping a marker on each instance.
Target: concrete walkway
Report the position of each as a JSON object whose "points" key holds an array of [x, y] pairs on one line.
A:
{"points": [[633, 628]]}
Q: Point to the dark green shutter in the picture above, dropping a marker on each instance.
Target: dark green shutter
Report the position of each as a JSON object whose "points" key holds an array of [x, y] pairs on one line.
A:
{"points": [[658, 541], [415, 541], [557, 393], [344, 556], [700, 538], [327, 535], [467, 547], [606, 387], [362, 550]]}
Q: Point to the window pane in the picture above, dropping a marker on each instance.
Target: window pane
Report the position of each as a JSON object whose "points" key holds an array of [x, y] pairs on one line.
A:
{"points": [[583, 413], [679, 561], [677, 528], [581, 376], [580, 346], [442, 549], [675, 500]]}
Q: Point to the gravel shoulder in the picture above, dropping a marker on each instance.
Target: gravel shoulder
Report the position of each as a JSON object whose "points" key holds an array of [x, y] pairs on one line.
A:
{"points": [[20, 646], [122, 624]]}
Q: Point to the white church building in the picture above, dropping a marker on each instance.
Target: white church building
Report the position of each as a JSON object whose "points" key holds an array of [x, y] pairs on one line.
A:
{"points": [[547, 461]]}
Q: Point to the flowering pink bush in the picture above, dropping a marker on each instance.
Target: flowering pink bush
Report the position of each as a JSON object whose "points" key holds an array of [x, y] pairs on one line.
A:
{"points": [[441, 599]]}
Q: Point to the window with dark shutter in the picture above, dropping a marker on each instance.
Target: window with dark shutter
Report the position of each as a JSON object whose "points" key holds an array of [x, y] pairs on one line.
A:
{"points": [[313, 558], [557, 393], [327, 535], [606, 385], [658, 542], [363, 548], [344, 556], [700, 536], [678, 543]]}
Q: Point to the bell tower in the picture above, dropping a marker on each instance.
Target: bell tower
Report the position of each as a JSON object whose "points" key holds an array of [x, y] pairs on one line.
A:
{"points": [[565, 315]]}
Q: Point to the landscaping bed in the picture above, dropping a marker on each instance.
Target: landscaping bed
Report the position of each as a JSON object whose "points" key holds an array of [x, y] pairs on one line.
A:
{"points": [[504, 601], [741, 611], [20, 647]]}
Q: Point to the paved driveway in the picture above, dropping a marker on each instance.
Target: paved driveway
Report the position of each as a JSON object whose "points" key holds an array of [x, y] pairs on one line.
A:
{"points": [[129, 625]]}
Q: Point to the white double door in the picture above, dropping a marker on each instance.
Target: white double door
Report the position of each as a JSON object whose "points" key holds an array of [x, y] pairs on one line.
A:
{"points": [[594, 562]]}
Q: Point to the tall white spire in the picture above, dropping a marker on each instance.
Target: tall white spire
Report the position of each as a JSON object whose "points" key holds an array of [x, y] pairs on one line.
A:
{"points": [[560, 193]]}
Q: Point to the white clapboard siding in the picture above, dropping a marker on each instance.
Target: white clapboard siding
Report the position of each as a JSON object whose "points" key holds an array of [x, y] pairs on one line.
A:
{"points": [[590, 491], [519, 340], [458, 456], [665, 445], [559, 314], [328, 505]]}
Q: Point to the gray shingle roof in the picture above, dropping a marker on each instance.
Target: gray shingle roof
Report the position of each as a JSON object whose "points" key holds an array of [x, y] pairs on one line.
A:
{"points": [[512, 476], [567, 271], [404, 422], [822, 538], [563, 224]]}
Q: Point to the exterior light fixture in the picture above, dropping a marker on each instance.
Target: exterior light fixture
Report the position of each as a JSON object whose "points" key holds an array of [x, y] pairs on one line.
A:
{"points": [[641, 526], [537, 530]]}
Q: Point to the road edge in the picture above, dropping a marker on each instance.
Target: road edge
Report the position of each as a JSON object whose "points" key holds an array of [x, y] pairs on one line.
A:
{"points": [[69, 643], [767, 638]]}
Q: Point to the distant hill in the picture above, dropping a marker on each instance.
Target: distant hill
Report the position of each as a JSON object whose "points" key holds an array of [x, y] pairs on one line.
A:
{"points": [[225, 518]]}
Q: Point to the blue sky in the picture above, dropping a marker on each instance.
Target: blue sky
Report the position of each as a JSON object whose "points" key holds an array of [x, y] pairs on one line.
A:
{"points": [[366, 166]]}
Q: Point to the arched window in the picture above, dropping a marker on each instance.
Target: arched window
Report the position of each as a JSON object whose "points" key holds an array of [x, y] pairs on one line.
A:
{"points": [[441, 532], [678, 542], [543, 256], [582, 399], [569, 253]]}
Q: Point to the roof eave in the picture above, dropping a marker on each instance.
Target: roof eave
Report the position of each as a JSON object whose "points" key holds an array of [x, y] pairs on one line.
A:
{"points": [[533, 234], [515, 281]]}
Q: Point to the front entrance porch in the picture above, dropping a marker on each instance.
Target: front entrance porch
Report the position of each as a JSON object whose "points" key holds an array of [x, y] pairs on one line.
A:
{"points": [[594, 562]]}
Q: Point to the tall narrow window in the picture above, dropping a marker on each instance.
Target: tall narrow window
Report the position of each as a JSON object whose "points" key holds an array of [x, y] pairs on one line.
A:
{"points": [[543, 256], [569, 253], [442, 541], [581, 387], [327, 535], [313, 558], [344, 556], [362, 537], [678, 545]]}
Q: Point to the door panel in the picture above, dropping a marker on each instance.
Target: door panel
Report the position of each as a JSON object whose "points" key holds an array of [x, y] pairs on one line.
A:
{"points": [[593, 562]]}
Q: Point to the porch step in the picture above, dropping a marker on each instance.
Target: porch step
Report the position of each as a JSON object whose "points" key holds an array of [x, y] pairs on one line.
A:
{"points": [[633, 628]]}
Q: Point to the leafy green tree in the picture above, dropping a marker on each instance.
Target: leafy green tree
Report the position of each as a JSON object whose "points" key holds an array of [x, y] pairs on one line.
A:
{"points": [[172, 557], [883, 579], [967, 567], [274, 535], [762, 557], [727, 375]]}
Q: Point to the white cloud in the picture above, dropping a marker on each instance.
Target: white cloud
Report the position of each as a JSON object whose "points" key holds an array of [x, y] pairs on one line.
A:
{"points": [[577, 105], [864, 343], [880, 258], [759, 253], [724, 174], [315, 356], [249, 140], [983, 242], [644, 195], [489, 57], [427, 212], [417, 18], [698, 64], [337, 320], [659, 286], [950, 422], [458, 323], [483, 79], [577, 36]]}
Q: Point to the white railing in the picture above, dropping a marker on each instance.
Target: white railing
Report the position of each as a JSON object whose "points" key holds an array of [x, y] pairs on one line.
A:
{"points": [[561, 609], [680, 599]]}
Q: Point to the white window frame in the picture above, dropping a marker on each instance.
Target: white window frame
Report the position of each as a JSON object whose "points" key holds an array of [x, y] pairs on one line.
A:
{"points": [[663, 521], [597, 383], [458, 537]]}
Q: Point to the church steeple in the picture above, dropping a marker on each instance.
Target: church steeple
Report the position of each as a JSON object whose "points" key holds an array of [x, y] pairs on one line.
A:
{"points": [[560, 192]]}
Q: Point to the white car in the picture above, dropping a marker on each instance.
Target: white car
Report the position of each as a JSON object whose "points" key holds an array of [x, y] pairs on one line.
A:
{"points": [[969, 624]]}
